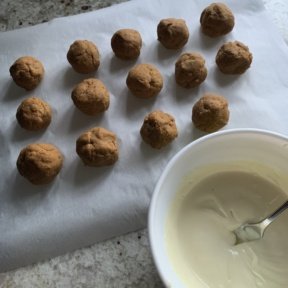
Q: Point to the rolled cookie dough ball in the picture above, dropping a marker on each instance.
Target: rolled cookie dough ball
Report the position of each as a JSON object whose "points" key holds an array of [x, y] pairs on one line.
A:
{"points": [[34, 114], [233, 58], [172, 33], [27, 72], [97, 147], [84, 56], [158, 129], [91, 96], [190, 70], [39, 163], [126, 44], [210, 113], [217, 20], [144, 81]]}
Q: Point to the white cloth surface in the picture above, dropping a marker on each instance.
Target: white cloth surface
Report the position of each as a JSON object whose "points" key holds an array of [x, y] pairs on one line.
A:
{"points": [[85, 205], [278, 12]]}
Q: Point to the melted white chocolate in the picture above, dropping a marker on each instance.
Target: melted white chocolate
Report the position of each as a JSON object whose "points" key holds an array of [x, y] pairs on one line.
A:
{"points": [[199, 237]]}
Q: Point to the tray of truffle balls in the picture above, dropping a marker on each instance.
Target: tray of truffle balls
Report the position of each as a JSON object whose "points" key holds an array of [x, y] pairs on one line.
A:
{"points": [[41, 162]]}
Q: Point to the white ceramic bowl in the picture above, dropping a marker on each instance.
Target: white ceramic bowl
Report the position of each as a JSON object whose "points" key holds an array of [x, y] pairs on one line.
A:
{"points": [[264, 147]]}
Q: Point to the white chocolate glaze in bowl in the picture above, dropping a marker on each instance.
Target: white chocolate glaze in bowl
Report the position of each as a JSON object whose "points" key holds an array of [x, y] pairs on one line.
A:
{"points": [[212, 186]]}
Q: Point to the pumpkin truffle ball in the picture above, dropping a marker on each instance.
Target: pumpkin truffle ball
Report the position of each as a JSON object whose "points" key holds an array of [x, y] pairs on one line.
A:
{"points": [[34, 114], [158, 129], [233, 58], [217, 20], [190, 70], [27, 72], [126, 44], [144, 81], [210, 113], [97, 147], [172, 33], [84, 56], [91, 96], [39, 163]]}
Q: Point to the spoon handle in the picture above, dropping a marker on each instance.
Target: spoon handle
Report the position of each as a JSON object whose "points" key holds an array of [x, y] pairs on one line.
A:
{"points": [[275, 214]]}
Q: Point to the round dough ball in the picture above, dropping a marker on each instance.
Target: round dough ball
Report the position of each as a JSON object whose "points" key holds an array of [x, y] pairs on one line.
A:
{"points": [[217, 20], [84, 56], [27, 72], [144, 81], [158, 129], [39, 163], [34, 114], [172, 33], [210, 113], [126, 44], [91, 96], [97, 147], [190, 70], [233, 58]]}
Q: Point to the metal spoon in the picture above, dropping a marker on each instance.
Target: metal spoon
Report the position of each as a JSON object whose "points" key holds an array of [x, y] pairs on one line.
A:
{"points": [[255, 231]]}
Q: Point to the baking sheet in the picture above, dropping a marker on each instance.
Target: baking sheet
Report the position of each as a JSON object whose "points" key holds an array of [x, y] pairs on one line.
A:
{"points": [[85, 205]]}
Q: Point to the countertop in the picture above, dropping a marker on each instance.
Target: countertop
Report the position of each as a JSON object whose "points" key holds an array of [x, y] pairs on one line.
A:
{"points": [[124, 261]]}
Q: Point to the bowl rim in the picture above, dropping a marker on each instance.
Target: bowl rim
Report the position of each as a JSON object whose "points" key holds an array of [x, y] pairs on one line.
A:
{"points": [[169, 165]]}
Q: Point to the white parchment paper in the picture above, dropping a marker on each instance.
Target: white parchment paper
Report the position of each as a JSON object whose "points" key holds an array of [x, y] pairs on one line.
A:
{"points": [[85, 205]]}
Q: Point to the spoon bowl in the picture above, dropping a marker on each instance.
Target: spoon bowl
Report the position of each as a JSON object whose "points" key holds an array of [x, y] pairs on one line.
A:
{"points": [[255, 231]]}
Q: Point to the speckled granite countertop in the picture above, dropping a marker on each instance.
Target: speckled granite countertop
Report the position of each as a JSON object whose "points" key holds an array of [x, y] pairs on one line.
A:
{"points": [[21, 13], [124, 261]]}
